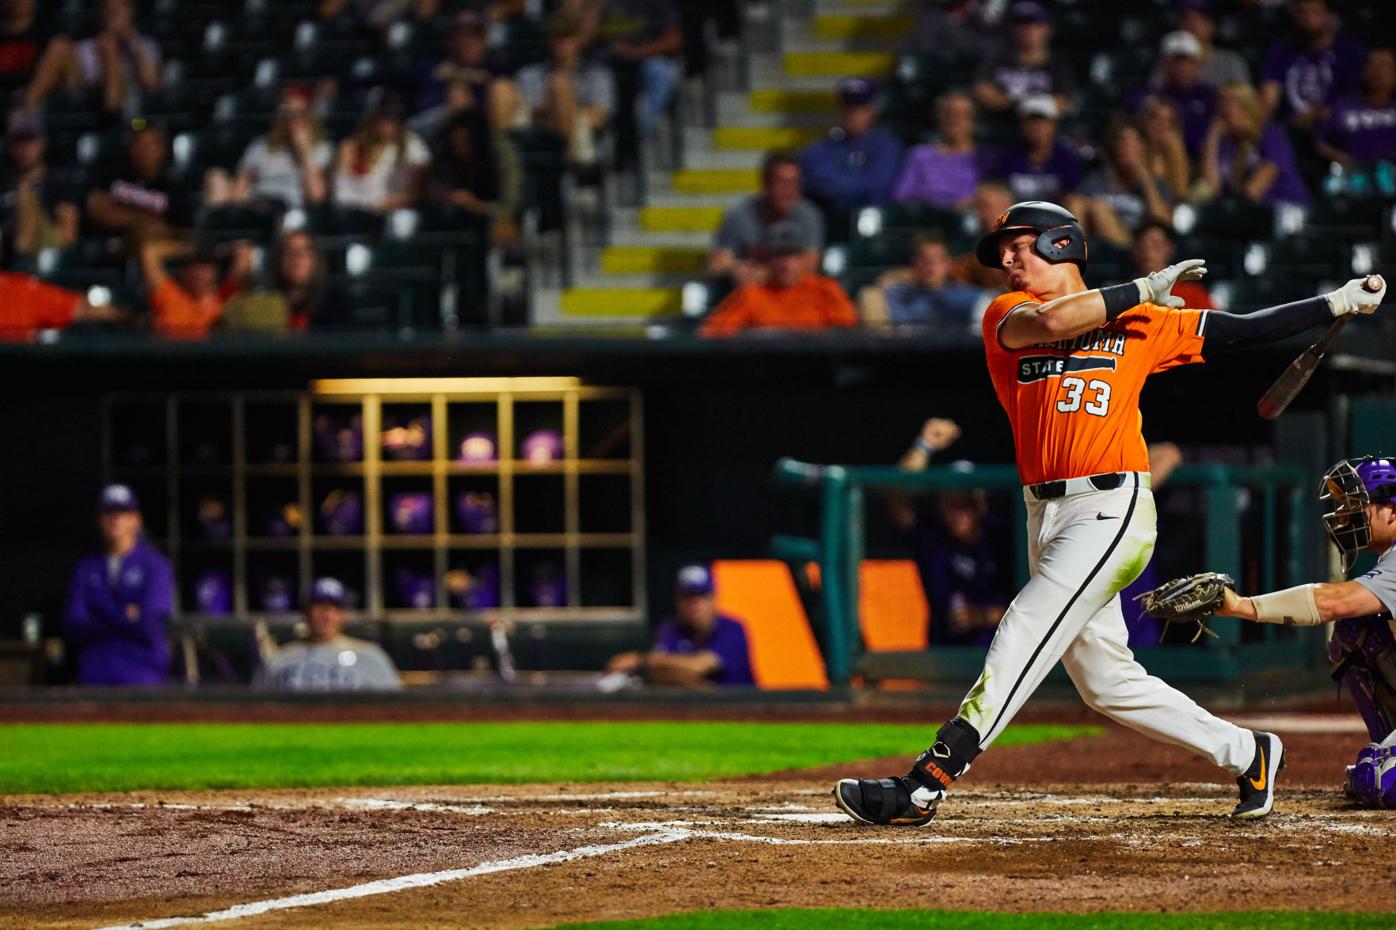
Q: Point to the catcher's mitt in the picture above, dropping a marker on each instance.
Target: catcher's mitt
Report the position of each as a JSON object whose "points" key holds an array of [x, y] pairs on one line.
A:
{"points": [[1190, 599]]}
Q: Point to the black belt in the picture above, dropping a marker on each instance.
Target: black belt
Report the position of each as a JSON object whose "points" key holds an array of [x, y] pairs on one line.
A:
{"points": [[1049, 490]]}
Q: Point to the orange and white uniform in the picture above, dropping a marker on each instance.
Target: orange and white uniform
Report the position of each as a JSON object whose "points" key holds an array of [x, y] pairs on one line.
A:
{"points": [[1077, 430]]}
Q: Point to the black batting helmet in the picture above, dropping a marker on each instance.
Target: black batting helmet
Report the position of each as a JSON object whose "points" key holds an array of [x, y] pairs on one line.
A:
{"points": [[1052, 223]]}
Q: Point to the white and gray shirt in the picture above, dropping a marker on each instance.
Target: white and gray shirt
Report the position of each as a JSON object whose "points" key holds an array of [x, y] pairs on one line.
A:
{"points": [[342, 664], [1381, 581]]}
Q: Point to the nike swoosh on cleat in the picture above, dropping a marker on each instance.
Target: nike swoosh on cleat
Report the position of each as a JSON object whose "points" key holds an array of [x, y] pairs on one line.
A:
{"points": [[1259, 785], [1101, 516]]}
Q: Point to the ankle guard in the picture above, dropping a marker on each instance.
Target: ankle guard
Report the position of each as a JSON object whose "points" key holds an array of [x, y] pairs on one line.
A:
{"points": [[956, 746]]}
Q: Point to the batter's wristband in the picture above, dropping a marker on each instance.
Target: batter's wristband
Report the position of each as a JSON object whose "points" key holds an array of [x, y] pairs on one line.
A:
{"points": [[924, 446], [1119, 298]]}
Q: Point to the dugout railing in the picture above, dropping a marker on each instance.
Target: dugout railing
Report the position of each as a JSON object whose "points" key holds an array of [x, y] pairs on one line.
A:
{"points": [[1253, 524]]}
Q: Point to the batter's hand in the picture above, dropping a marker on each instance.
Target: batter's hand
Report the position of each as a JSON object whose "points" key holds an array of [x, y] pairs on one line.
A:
{"points": [[940, 433], [1157, 288], [1360, 295]]}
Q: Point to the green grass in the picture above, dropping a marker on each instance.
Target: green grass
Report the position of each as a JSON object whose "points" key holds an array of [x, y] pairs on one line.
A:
{"points": [[849, 919], [57, 758]]}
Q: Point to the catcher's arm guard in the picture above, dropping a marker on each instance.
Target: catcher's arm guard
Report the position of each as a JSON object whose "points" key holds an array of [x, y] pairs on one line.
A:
{"points": [[1190, 599]]}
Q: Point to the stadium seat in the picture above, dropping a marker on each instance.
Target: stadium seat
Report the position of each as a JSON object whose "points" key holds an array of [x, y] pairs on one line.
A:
{"points": [[1233, 218], [1351, 218], [231, 223]]}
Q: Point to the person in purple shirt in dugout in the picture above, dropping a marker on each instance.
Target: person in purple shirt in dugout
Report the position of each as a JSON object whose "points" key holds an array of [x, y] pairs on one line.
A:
{"points": [[120, 601], [697, 646], [1041, 167], [856, 164], [1302, 76], [1361, 129]]}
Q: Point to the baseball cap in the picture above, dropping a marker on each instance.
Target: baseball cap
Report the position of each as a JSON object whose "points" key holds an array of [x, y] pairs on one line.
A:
{"points": [[328, 591], [855, 91], [1180, 42], [1028, 11], [1040, 105], [783, 238], [694, 581], [118, 498], [24, 124]]}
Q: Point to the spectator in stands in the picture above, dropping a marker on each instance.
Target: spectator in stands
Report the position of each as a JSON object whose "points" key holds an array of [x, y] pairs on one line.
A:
{"points": [[1153, 250], [1246, 156], [141, 198], [572, 97], [471, 173], [37, 209], [789, 295], [23, 36], [1165, 153], [1220, 66], [1042, 167], [856, 164], [1122, 193], [945, 173], [991, 198], [283, 169], [697, 646], [959, 548], [1028, 69], [299, 295], [951, 29], [118, 63], [120, 601], [642, 40], [733, 259], [468, 78], [923, 294], [1181, 84], [383, 166], [1302, 76], [1360, 132], [327, 660], [189, 304], [28, 306]]}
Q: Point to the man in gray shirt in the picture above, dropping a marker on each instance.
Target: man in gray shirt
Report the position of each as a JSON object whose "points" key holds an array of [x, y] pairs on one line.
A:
{"points": [[734, 260], [327, 660], [1362, 494]]}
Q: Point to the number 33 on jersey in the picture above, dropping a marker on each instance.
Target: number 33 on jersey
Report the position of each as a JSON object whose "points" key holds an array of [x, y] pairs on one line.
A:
{"points": [[1074, 405]]}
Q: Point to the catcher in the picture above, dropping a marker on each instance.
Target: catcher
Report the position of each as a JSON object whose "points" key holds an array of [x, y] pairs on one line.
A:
{"points": [[1362, 496]]}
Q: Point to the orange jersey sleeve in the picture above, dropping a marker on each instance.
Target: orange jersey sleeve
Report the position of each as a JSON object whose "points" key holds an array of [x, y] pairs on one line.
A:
{"points": [[28, 305], [1074, 405]]}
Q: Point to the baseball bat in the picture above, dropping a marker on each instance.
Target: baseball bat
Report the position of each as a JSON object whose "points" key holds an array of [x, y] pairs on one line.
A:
{"points": [[1292, 380]]}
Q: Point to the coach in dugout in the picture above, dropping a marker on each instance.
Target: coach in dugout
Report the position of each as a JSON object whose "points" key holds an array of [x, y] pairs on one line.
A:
{"points": [[120, 600], [327, 660], [697, 646]]}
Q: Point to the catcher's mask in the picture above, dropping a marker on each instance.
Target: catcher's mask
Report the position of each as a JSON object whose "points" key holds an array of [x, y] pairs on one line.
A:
{"points": [[1348, 487]]}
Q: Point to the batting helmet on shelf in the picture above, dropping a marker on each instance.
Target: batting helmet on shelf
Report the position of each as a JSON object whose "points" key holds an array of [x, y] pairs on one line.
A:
{"points": [[1349, 487], [1060, 236]]}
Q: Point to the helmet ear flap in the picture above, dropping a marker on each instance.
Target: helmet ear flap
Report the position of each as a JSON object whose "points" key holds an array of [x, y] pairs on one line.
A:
{"points": [[1062, 244]]}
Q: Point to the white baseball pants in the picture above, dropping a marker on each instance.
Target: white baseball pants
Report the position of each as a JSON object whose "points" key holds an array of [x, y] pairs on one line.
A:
{"points": [[1083, 548]]}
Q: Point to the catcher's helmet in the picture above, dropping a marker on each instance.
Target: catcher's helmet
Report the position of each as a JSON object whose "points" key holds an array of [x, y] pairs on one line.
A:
{"points": [[1350, 486], [1053, 224]]}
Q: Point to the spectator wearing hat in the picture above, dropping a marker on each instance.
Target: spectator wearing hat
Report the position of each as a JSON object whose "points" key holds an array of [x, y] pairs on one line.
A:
{"points": [[946, 172], [1180, 83], [139, 197], [118, 63], [1152, 250], [734, 259], [923, 294], [1042, 167], [326, 659], [284, 168], [120, 601], [569, 96], [383, 166], [789, 296], [189, 304], [1122, 193], [642, 41], [857, 163], [23, 35], [1220, 66], [1246, 156], [696, 647], [991, 198], [1304, 75], [1027, 68], [468, 78], [37, 210], [1360, 132]]}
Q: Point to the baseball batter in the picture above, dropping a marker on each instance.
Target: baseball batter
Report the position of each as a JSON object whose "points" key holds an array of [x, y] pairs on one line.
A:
{"points": [[1362, 493], [1068, 365]]}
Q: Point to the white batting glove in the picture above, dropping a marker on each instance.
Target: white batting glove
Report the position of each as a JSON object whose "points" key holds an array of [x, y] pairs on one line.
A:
{"points": [[1157, 288], [1355, 296]]}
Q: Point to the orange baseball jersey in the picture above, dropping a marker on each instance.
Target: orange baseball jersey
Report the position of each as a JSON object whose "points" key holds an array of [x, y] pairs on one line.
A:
{"points": [[1074, 405]]}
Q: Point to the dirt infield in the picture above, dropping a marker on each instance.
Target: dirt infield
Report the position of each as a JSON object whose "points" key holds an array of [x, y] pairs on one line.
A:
{"points": [[1109, 822]]}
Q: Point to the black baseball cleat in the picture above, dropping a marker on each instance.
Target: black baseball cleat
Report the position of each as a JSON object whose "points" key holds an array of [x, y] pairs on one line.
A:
{"points": [[882, 802], [1257, 783]]}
